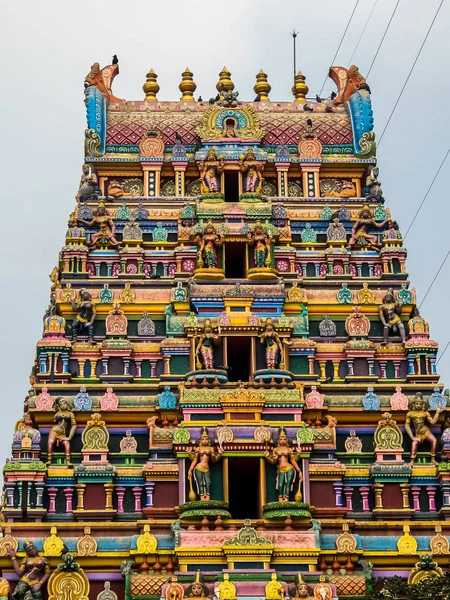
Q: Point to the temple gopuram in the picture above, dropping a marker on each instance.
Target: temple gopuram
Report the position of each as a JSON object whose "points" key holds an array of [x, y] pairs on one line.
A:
{"points": [[235, 395]]}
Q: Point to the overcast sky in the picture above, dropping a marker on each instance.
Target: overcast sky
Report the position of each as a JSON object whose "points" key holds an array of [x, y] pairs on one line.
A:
{"points": [[47, 48]]}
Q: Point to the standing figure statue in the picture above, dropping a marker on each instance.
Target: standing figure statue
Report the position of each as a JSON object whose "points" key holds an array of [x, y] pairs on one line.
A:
{"points": [[286, 460], [106, 228], [33, 573], [85, 317], [208, 241], [261, 243], [210, 169], [62, 431], [373, 189], [249, 165], [274, 349], [205, 346], [390, 312], [88, 189], [200, 466], [418, 418], [360, 235]]}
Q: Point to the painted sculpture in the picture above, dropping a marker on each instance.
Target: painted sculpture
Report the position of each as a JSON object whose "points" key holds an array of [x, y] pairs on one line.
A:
{"points": [[199, 471], [206, 341], [208, 242], [88, 189], [210, 170], [416, 426], [33, 573], [300, 589], [85, 317], [261, 243], [360, 232], [253, 179], [390, 312], [62, 431], [271, 340], [287, 468], [198, 589], [105, 225]]}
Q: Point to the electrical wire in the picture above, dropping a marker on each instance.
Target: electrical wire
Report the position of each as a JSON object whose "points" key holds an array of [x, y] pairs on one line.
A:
{"points": [[448, 344], [340, 44], [382, 39], [434, 278], [363, 32], [410, 71], [428, 191]]}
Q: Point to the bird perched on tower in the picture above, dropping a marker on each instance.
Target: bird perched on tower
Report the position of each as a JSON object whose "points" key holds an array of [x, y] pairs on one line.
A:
{"points": [[115, 60]]}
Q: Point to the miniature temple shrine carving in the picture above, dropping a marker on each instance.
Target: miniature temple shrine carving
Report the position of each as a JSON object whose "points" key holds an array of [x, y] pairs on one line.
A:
{"points": [[234, 395]]}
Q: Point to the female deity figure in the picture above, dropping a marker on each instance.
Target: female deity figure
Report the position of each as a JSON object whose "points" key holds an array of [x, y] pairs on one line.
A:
{"points": [[261, 243], [360, 235], [200, 466], [62, 431], [390, 312], [209, 173], [86, 314], [198, 589], [270, 338], [249, 165], [208, 242], [88, 184], [106, 228], [286, 460], [33, 573], [418, 418], [206, 341]]}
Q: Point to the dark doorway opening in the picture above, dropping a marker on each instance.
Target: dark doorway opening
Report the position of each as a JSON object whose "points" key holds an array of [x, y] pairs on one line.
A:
{"points": [[235, 259], [244, 489], [239, 357], [231, 186]]}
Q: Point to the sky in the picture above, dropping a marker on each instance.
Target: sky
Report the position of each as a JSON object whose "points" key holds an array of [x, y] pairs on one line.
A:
{"points": [[47, 48]]}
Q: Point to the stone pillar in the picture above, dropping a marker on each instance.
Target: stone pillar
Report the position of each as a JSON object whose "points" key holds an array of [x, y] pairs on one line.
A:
{"points": [[153, 368], [65, 362], [180, 169], [138, 364], [348, 491], [149, 488], [338, 485], [378, 490], [350, 366], [10, 488], [105, 362], [282, 177], [310, 180], [336, 364], [43, 362], [415, 490], [365, 498], [68, 493], [39, 485], [52, 491], [166, 365], [109, 488], [322, 365], [405, 494], [306, 485], [411, 370], [311, 365], [382, 364], [445, 486], [80, 488], [126, 365], [397, 369], [120, 491], [370, 362], [81, 364], [431, 491], [137, 491], [152, 178]]}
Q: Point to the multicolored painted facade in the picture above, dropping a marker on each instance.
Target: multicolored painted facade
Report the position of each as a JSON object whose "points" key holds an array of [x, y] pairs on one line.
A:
{"points": [[234, 395]]}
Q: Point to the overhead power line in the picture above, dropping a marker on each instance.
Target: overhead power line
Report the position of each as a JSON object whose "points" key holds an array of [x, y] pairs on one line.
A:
{"points": [[340, 44], [434, 278], [427, 192], [363, 32], [382, 39], [448, 344], [410, 71]]}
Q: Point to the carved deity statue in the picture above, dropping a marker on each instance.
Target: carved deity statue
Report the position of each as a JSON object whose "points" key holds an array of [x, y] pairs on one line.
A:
{"points": [[62, 431], [286, 460], [390, 312], [210, 169], [88, 184], [360, 235], [271, 340], [300, 589], [198, 589], [85, 317], [206, 341], [373, 186], [26, 428], [229, 129], [33, 573], [249, 165], [261, 243], [199, 470], [106, 228], [417, 429], [208, 242]]}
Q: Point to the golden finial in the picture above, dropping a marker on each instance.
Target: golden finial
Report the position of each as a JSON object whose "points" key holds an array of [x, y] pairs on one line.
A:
{"points": [[224, 82], [300, 89], [151, 87], [262, 87], [187, 86]]}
